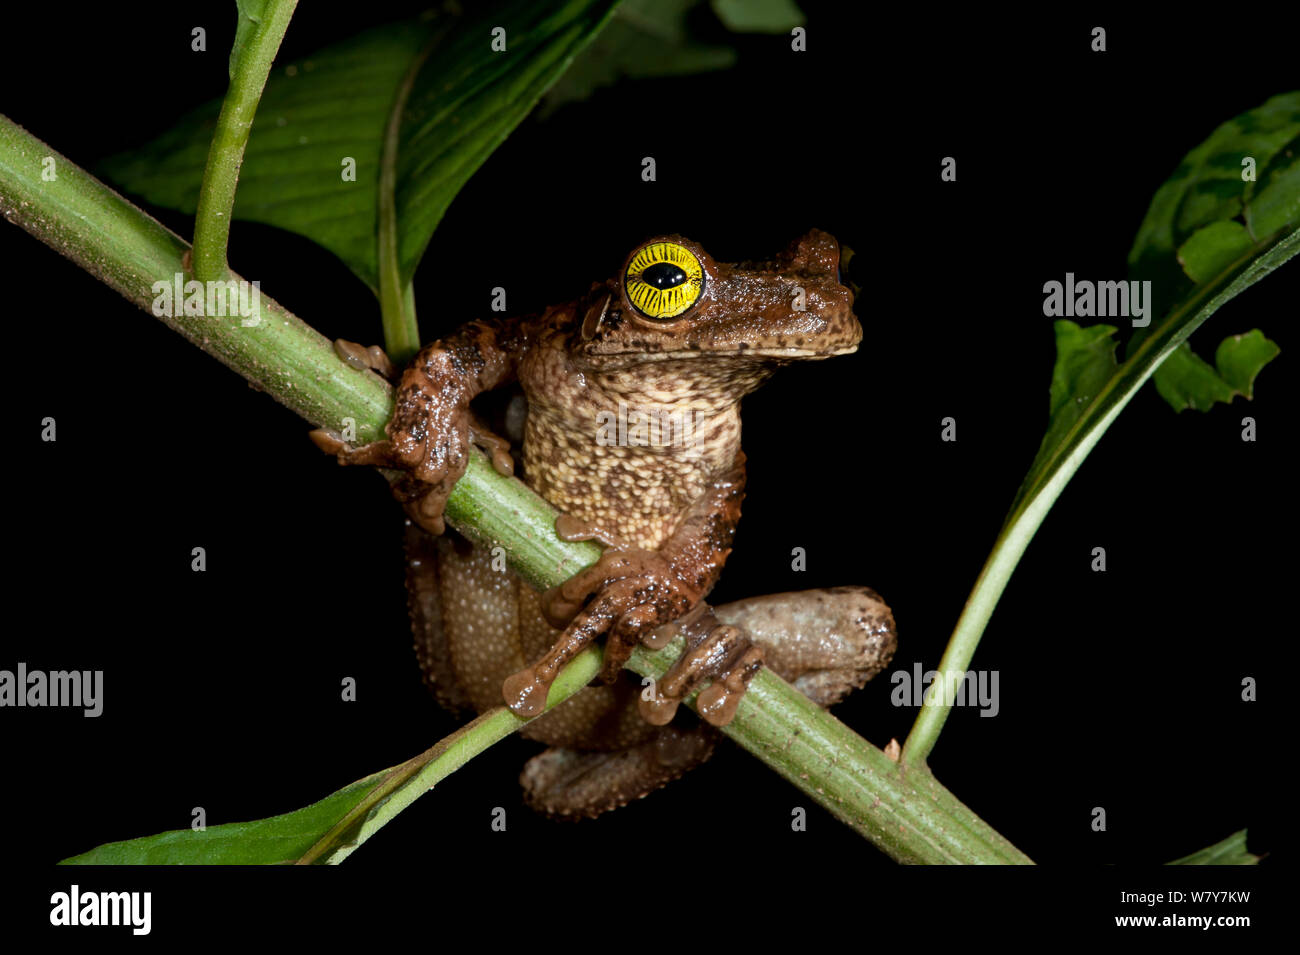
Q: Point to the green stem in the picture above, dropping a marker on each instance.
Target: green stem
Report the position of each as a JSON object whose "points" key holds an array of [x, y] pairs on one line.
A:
{"points": [[904, 812], [126, 249], [916, 819], [249, 70]]}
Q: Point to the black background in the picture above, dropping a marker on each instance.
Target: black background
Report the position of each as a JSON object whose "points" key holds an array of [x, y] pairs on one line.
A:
{"points": [[1119, 690]]}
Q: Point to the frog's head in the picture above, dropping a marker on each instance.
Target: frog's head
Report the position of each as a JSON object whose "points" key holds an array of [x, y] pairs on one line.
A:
{"points": [[672, 301]]}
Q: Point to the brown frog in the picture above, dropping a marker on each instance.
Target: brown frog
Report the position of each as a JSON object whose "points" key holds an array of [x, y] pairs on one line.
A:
{"points": [[633, 431]]}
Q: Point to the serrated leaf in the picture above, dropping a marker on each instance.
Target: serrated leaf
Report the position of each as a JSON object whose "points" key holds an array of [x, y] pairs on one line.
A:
{"points": [[277, 840], [759, 16], [1185, 380], [1230, 851], [1206, 221], [1240, 357], [1082, 405], [335, 105]]}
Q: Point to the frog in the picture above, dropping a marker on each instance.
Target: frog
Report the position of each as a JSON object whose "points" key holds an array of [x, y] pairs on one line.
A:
{"points": [[632, 431]]}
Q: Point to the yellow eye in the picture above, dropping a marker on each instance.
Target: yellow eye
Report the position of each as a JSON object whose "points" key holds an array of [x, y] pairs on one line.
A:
{"points": [[664, 279]]}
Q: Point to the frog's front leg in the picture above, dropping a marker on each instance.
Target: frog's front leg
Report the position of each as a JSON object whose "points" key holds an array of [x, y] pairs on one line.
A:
{"points": [[431, 429], [636, 591]]}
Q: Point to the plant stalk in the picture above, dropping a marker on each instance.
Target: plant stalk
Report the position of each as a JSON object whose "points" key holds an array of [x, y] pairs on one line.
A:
{"points": [[250, 67]]}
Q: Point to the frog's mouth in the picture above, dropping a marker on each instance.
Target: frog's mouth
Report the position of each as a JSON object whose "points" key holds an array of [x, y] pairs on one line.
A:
{"points": [[803, 353]]}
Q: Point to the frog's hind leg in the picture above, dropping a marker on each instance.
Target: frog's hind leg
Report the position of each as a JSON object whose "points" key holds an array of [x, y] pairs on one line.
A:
{"points": [[825, 642], [424, 602], [567, 784]]}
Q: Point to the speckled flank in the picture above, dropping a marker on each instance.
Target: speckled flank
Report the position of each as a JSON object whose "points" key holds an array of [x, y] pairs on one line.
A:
{"points": [[424, 602], [575, 785]]}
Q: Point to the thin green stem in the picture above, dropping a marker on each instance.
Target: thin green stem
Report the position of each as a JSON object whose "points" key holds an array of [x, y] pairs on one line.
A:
{"points": [[404, 784], [992, 581], [250, 67], [397, 299], [1048, 480]]}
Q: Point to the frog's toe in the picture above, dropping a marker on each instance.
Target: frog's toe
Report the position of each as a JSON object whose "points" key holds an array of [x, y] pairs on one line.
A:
{"points": [[493, 445], [328, 440], [568, 784], [717, 652], [376, 453], [525, 692], [362, 358]]}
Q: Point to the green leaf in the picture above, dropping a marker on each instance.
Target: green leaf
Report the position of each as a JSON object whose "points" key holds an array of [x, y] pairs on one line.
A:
{"points": [[1240, 357], [1231, 851], [319, 111], [250, 15], [644, 39], [1206, 220], [274, 841], [1186, 380], [759, 16], [1085, 360], [1214, 248], [1273, 200]]}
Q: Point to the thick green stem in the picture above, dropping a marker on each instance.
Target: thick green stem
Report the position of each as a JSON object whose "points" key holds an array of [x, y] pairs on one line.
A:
{"points": [[130, 251], [249, 70], [905, 812]]}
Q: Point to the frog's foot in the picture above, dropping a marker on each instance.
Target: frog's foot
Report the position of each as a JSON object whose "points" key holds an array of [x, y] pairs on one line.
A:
{"points": [[825, 642], [568, 784], [635, 591], [714, 651], [431, 469], [362, 358]]}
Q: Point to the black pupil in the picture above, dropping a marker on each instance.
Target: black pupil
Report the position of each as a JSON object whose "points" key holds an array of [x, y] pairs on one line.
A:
{"points": [[663, 275]]}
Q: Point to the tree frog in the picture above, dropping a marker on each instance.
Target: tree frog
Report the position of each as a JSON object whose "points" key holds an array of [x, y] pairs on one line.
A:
{"points": [[632, 430]]}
